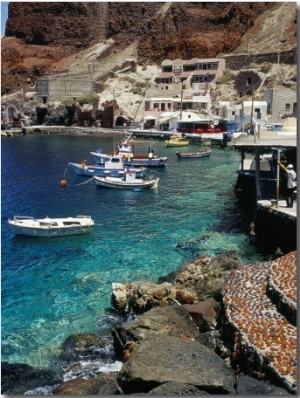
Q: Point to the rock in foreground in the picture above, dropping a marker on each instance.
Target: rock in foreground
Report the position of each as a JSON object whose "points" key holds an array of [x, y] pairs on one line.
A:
{"points": [[159, 360]]}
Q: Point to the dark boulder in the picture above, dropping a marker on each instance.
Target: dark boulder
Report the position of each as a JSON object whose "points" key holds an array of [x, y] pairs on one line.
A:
{"points": [[83, 345], [99, 385], [203, 314], [162, 359], [246, 385], [17, 378], [173, 388], [169, 321]]}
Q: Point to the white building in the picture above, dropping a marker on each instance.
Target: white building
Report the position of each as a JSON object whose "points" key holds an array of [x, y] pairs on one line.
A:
{"points": [[281, 102]]}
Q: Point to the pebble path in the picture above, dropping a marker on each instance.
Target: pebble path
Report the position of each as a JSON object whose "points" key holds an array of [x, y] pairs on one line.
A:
{"points": [[259, 324]]}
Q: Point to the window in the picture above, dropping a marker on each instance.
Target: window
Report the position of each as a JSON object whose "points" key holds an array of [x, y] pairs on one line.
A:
{"points": [[258, 113], [287, 107]]}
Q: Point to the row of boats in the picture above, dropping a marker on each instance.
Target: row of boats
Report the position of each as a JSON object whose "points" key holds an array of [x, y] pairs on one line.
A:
{"points": [[121, 170], [119, 163]]}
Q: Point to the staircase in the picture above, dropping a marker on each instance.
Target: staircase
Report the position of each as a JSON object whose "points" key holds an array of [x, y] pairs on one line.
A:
{"points": [[90, 66], [260, 306]]}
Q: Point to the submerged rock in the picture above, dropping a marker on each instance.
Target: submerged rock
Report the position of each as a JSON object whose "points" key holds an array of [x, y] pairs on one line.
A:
{"points": [[18, 378], [100, 385], [82, 345]]}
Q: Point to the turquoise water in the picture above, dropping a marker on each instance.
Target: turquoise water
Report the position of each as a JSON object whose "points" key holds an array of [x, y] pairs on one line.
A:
{"points": [[58, 286]]}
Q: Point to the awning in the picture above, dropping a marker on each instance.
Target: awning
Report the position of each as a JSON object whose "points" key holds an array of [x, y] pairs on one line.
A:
{"points": [[164, 119], [149, 117]]}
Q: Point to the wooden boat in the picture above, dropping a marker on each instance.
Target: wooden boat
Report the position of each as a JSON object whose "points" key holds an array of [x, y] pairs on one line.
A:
{"points": [[176, 141], [49, 227], [128, 182], [195, 154], [114, 167], [126, 149]]}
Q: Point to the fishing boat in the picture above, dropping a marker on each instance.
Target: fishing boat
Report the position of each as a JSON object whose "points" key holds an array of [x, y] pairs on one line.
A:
{"points": [[126, 149], [128, 182], [194, 154], [49, 227], [113, 167], [176, 141]]}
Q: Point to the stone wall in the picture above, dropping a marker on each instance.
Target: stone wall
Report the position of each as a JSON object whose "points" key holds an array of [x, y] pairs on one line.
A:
{"points": [[274, 229], [240, 61]]}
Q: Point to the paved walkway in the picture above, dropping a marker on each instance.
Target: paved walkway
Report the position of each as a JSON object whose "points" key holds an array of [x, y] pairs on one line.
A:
{"points": [[292, 211], [261, 328]]}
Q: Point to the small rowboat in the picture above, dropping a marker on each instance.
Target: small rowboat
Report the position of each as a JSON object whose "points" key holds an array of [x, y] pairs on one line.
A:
{"points": [[204, 153], [29, 226]]}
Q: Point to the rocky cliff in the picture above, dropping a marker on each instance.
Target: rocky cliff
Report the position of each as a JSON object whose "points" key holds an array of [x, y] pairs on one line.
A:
{"points": [[40, 34]]}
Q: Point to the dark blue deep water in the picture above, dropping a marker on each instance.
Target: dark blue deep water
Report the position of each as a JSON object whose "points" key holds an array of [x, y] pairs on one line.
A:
{"points": [[53, 287]]}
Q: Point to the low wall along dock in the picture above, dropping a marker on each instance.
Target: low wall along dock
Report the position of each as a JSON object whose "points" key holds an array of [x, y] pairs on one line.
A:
{"points": [[275, 227]]}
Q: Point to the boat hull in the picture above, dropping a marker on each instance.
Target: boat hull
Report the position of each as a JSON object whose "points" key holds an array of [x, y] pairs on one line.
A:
{"points": [[136, 161], [176, 143], [117, 183], [191, 155], [145, 162], [46, 227]]}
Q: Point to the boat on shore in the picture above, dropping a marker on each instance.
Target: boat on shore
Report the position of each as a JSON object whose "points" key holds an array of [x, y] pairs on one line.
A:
{"points": [[128, 182], [126, 149], [194, 154], [175, 141], [50, 227]]}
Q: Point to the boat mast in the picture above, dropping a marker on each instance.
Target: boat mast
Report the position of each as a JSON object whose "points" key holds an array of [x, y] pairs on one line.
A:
{"points": [[180, 117]]}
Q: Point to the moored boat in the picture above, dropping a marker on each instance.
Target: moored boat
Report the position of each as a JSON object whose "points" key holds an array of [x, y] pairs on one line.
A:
{"points": [[176, 141], [49, 227], [126, 148], [114, 167], [128, 182], [194, 154]]}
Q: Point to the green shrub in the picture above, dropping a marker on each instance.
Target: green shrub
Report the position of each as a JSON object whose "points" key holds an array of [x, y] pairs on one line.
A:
{"points": [[265, 67], [88, 98], [68, 102], [227, 77]]}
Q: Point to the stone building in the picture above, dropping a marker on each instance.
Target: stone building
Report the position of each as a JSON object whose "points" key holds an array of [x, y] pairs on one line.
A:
{"points": [[281, 103], [183, 84], [247, 82]]}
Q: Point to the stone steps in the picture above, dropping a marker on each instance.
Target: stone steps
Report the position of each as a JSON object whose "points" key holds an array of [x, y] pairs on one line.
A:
{"points": [[261, 328]]}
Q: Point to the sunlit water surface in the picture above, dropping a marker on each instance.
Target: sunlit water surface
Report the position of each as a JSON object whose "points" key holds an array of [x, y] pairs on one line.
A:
{"points": [[53, 287]]}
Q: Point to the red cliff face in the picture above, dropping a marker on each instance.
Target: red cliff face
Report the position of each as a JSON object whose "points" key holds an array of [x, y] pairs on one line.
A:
{"points": [[40, 34]]}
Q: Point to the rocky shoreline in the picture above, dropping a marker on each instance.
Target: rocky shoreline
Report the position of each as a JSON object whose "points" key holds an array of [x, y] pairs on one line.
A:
{"points": [[215, 326]]}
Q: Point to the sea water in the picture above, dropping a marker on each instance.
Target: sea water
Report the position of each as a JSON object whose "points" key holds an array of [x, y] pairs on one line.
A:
{"points": [[54, 287]]}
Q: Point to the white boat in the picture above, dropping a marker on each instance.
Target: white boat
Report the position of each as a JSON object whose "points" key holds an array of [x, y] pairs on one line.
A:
{"points": [[128, 182], [126, 148], [29, 226], [112, 166]]}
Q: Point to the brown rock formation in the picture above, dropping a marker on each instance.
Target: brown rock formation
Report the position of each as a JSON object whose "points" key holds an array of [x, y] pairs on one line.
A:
{"points": [[40, 34]]}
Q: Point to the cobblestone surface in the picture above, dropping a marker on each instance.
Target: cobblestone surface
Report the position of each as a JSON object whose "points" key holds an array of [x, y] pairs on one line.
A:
{"points": [[261, 326]]}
